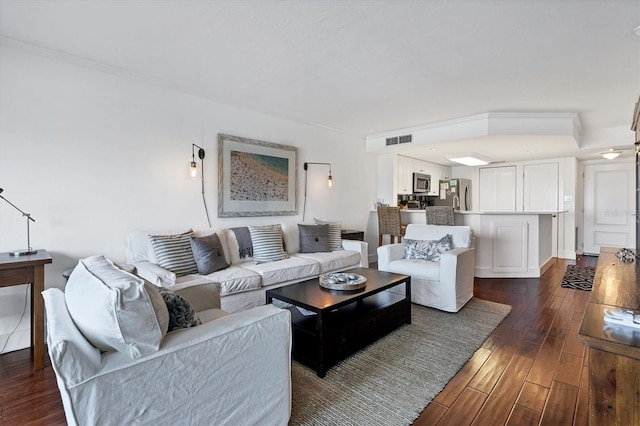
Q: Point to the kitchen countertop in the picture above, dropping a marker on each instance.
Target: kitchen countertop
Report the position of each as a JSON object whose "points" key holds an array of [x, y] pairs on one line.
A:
{"points": [[513, 213], [483, 212]]}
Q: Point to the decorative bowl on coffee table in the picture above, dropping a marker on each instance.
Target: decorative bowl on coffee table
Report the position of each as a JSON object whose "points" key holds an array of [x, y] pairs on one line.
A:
{"points": [[342, 281]]}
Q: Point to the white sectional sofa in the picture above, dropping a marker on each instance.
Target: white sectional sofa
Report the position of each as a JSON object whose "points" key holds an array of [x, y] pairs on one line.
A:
{"points": [[118, 361], [244, 283]]}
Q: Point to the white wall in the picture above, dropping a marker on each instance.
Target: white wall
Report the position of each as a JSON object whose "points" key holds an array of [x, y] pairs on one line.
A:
{"points": [[93, 155]]}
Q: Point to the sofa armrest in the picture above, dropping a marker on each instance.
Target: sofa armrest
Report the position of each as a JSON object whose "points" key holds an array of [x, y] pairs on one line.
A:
{"points": [[194, 367], [360, 246], [72, 355], [388, 253], [155, 274], [457, 264]]}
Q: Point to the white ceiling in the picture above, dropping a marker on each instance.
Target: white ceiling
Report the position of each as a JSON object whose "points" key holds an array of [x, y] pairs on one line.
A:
{"points": [[365, 67]]}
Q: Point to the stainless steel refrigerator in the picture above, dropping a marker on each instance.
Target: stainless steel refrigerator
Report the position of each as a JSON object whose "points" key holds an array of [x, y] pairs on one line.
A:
{"points": [[455, 193]]}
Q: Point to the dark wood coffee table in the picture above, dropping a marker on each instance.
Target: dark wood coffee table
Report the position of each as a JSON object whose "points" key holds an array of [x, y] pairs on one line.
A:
{"points": [[342, 322]]}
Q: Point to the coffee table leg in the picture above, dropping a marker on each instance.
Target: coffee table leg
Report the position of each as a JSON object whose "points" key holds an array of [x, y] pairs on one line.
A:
{"points": [[408, 294], [321, 349]]}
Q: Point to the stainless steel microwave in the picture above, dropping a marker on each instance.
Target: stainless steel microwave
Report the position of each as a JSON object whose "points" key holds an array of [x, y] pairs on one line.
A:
{"points": [[421, 183]]}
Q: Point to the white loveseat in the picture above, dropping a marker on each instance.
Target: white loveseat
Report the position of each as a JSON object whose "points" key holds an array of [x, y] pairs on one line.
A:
{"points": [[446, 284], [244, 283], [232, 369]]}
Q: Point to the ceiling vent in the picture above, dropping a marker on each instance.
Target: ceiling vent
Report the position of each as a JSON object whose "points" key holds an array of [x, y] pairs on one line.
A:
{"points": [[398, 139], [404, 139]]}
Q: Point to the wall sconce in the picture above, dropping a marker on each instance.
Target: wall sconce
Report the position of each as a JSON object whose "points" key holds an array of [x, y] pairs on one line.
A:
{"points": [[611, 154], [193, 169], [329, 184], [193, 166], [329, 180], [29, 250]]}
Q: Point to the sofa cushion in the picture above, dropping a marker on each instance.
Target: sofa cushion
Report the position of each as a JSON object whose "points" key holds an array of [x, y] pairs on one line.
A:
{"points": [[112, 308], [313, 238], [416, 268], [159, 306], [211, 314], [333, 260], [181, 314], [234, 279], [335, 235], [427, 249], [267, 243], [174, 252], [208, 253], [290, 269]]}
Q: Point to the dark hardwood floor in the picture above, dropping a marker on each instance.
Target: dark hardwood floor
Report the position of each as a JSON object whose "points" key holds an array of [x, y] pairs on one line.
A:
{"points": [[531, 370]]}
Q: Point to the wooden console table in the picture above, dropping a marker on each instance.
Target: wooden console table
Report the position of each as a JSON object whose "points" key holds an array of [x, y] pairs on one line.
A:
{"points": [[614, 350], [20, 270]]}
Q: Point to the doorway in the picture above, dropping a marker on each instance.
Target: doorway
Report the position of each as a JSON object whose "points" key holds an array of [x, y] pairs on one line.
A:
{"points": [[609, 206]]}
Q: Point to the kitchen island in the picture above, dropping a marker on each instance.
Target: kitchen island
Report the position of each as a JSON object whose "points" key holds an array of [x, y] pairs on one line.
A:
{"points": [[511, 244], [508, 244]]}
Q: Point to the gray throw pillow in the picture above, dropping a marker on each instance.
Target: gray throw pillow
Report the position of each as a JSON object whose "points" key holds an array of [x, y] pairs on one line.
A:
{"points": [[208, 253], [335, 233], [181, 313], [314, 238]]}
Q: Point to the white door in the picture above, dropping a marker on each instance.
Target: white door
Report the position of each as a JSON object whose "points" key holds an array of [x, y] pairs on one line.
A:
{"points": [[609, 206]]}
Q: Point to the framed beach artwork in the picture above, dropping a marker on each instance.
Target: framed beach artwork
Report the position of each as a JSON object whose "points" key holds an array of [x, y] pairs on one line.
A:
{"points": [[256, 178]]}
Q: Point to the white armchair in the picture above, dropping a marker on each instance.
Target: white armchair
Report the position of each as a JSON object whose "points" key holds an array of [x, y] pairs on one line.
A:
{"points": [[232, 369], [446, 284]]}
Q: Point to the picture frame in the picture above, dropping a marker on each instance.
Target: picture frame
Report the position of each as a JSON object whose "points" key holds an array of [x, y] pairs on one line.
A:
{"points": [[256, 178]]}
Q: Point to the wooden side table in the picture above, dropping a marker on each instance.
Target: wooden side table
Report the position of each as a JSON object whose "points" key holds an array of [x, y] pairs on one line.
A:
{"points": [[18, 270]]}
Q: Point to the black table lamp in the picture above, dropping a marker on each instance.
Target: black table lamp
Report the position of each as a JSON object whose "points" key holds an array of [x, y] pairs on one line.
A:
{"points": [[29, 250]]}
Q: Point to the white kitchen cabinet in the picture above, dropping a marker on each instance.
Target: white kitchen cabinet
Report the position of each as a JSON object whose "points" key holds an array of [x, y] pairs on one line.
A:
{"points": [[440, 173], [540, 187], [404, 178], [509, 244], [497, 189], [436, 171]]}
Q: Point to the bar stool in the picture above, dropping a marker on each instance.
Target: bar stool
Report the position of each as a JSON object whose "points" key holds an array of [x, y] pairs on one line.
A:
{"points": [[439, 215], [389, 223]]}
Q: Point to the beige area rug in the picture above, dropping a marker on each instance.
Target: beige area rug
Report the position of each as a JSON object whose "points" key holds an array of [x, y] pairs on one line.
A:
{"points": [[392, 380]]}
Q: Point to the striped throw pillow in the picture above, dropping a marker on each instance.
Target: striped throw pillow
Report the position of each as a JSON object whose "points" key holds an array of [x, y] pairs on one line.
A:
{"points": [[267, 243], [335, 236], [174, 253]]}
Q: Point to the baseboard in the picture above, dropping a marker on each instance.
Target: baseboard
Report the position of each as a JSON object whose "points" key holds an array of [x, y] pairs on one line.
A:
{"points": [[488, 273], [547, 265], [19, 340], [564, 254]]}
